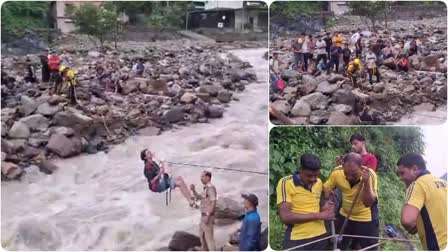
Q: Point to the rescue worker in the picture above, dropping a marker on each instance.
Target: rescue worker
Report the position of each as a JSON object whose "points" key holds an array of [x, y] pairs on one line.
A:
{"points": [[425, 207], [372, 68], [69, 80], [208, 204], [54, 63], [354, 70]]}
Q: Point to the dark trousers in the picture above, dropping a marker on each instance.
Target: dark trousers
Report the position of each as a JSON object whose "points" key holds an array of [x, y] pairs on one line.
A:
{"points": [[306, 58], [334, 63], [321, 245], [372, 72], [72, 95], [298, 57], [56, 81], [370, 228], [321, 56]]}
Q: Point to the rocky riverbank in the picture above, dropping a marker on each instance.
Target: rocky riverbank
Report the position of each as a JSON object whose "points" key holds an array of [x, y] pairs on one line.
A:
{"points": [[184, 82], [331, 98]]}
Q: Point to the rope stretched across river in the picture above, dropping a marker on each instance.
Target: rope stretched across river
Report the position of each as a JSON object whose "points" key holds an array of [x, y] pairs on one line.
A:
{"points": [[383, 239], [216, 167]]}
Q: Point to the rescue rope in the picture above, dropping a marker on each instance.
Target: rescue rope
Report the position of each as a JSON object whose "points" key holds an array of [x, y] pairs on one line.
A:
{"points": [[215, 167], [383, 239]]}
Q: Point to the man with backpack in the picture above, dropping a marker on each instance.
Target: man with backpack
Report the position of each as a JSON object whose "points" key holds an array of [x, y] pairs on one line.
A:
{"points": [[159, 181], [54, 62]]}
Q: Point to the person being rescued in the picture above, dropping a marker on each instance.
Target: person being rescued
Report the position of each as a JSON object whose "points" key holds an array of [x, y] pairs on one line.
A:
{"points": [[372, 68], [354, 70], [69, 79], [159, 181]]}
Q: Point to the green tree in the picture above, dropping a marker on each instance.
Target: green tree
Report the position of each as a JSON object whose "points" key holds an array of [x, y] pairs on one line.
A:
{"points": [[18, 16], [97, 22], [388, 144], [372, 10]]}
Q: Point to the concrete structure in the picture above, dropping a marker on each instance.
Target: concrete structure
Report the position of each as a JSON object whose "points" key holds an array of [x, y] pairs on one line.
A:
{"points": [[339, 8], [230, 16], [59, 10]]}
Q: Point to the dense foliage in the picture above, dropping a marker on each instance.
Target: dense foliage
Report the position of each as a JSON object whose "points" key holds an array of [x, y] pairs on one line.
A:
{"points": [[18, 16], [290, 9], [387, 143]]}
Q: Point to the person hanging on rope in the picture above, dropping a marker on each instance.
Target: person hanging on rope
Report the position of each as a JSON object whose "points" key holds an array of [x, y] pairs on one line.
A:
{"points": [[359, 211], [160, 181], [425, 207], [299, 206]]}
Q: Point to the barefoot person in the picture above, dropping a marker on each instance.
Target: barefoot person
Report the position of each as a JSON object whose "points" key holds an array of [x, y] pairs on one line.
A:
{"points": [[159, 181]]}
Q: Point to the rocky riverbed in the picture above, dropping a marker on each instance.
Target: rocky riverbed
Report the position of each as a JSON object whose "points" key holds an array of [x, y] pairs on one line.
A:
{"points": [[331, 99], [184, 82]]}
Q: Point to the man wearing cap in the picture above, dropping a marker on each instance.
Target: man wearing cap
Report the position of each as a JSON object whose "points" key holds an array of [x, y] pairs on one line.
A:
{"points": [[251, 226], [208, 204]]}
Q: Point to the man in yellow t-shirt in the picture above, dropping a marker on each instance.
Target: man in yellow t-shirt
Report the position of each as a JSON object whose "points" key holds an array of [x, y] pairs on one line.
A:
{"points": [[351, 179], [299, 206], [425, 206]]}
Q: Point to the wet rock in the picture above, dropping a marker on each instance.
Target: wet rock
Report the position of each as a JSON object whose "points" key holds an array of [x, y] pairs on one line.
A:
{"points": [[47, 167], [55, 100], [289, 74], [339, 118], [188, 98], [19, 130], [227, 208], [224, 96], [379, 87], [214, 111], [173, 115], [66, 131], [335, 78], [150, 131], [74, 119], [308, 79], [30, 152], [301, 108], [48, 110], [281, 106], [316, 100], [64, 146], [28, 105], [183, 241], [319, 117], [326, 88], [212, 90], [308, 87], [37, 142], [343, 108], [36, 122], [11, 170], [38, 235], [427, 81], [344, 96], [424, 107]]}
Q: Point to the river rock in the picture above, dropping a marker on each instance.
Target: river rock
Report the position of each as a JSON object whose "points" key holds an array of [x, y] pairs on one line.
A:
{"points": [[30, 152], [214, 111], [188, 97], [335, 78], [63, 146], [28, 105], [379, 87], [224, 96], [48, 110], [47, 167], [183, 241], [301, 108], [424, 107], [36, 122], [212, 90], [281, 106], [343, 108], [344, 96], [316, 100], [74, 119], [319, 117], [66, 131], [11, 170], [289, 74], [326, 88], [130, 86], [173, 115], [19, 130], [339, 118], [55, 100], [227, 208]]}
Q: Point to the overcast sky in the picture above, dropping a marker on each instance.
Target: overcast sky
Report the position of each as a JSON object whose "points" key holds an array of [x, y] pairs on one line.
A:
{"points": [[436, 148]]}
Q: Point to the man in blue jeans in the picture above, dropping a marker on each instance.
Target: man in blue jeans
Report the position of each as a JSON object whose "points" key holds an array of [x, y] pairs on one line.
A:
{"points": [[251, 228]]}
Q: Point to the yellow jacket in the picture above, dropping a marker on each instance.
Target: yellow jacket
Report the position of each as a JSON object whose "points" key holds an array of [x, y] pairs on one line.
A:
{"points": [[352, 68], [338, 40]]}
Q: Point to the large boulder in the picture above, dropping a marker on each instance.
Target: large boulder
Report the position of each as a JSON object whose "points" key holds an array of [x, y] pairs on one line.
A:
{"points": [[48, 110], [309, 79], [339, 118], [289, 74], [188, 97], [11, 170], [28, 105], [224, 96], [74, 119], [316, 100], [227, 208], [64, 146], [36, 122], [326, 88], [212, 90], [335, 78], [281, 106], [214, 111], [19, 130], [344, 96], [183, 241], [301, 108], [47, 167], [173, 115]]}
